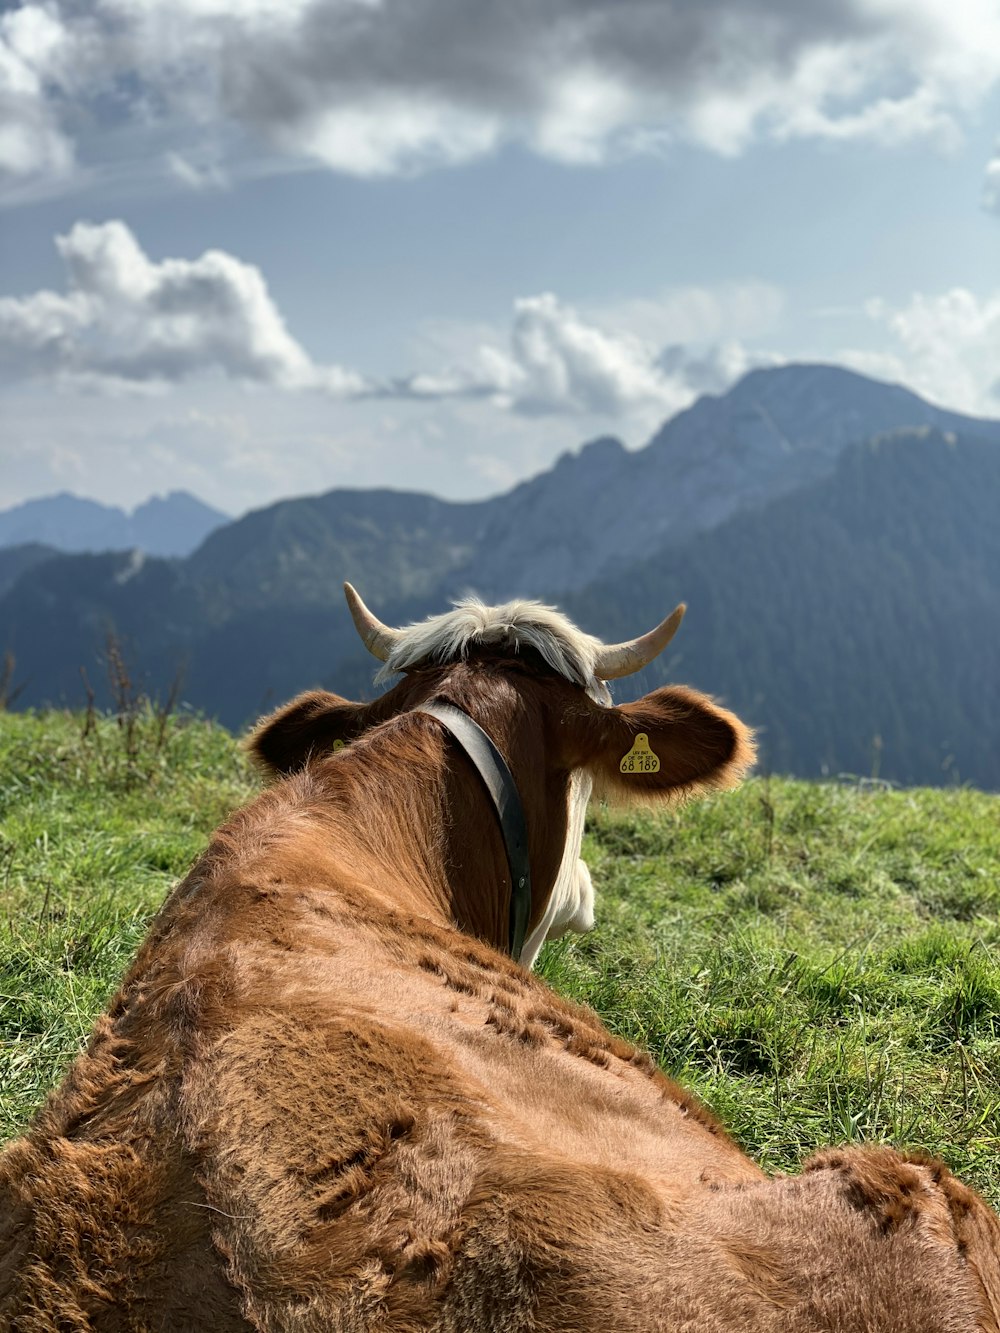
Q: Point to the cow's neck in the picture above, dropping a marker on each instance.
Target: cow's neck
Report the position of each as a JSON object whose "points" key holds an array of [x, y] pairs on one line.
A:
{"points": [[478, 872], [422, 845], [431, 826], [505, 800]]}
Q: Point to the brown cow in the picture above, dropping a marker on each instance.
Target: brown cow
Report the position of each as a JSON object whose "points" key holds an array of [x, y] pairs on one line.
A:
{"points": [[324, 1098]]}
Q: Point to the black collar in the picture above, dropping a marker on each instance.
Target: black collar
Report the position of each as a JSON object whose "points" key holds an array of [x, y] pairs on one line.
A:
{"points": [[499, 782]]}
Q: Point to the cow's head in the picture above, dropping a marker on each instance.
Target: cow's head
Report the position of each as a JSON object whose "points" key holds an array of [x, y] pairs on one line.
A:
{"points": [[537, 685]]}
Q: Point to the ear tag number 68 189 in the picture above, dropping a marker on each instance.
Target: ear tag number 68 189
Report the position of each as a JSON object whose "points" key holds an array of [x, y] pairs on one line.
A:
{"points": [[640, 759]]}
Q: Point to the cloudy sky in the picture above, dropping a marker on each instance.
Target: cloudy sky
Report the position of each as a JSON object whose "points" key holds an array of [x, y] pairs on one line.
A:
{"points": [[264, 247]]}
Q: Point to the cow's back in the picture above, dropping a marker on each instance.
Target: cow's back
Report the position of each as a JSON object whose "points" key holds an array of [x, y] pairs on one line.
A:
{"points": [[340, 1117]]}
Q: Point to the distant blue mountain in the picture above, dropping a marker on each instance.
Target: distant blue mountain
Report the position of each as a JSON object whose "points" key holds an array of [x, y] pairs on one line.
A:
{"points": [[170, 525]]}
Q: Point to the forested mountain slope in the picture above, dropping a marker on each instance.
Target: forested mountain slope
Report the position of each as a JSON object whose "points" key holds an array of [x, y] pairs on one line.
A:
{"points": [[856, 622]]}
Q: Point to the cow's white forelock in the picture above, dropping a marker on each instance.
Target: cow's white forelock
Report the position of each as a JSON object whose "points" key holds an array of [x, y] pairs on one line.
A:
{"points": [[510, 627]]}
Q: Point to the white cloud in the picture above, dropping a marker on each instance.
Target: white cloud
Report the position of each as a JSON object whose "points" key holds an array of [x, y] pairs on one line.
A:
{"points": [[991, 184], [126, 320], [194, 176], [580, 83], [948, 348], [33, 42], [559, 361], [127, 323], [404, 85], [390, 136]]}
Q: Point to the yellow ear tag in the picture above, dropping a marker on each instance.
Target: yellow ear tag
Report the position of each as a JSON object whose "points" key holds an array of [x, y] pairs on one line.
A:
{"points": [[339, 745], [640, 759]]}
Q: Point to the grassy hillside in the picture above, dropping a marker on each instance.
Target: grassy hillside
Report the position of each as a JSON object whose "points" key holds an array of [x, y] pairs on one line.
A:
{"points": [[821, 962]]}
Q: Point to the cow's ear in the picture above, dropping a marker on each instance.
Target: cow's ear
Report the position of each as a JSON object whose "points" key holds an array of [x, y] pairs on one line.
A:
{"points": [[668, 745], [309, 727]]}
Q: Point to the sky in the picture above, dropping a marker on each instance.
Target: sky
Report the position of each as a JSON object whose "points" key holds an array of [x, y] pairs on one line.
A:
{"points": [[260, 248]]}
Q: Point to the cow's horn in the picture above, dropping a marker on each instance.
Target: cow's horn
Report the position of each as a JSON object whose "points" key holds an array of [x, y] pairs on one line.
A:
{"points": [[622, 659], [379, 639]]}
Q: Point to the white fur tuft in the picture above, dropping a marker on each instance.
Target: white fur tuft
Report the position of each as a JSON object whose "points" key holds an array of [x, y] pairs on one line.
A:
{"points": [[514, 625]]}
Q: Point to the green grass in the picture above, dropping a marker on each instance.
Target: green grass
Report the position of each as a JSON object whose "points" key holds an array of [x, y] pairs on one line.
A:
{"points": [[94, 830], [820, 962]]}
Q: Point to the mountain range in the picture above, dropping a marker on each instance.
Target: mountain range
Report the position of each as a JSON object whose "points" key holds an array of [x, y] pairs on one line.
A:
{"points": [[834, 538], [166, 525]]}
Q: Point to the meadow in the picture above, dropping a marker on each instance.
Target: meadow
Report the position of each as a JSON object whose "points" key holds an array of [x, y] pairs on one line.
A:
{"points": [[820, 962]]}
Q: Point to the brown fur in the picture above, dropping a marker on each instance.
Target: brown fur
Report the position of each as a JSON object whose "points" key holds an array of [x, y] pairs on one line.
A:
{"points": [[323, 1099]]}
